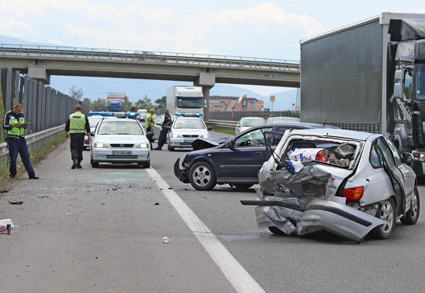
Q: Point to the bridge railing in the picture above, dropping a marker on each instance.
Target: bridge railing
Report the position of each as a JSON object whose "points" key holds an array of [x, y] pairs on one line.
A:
{"points": [[150, 56]]}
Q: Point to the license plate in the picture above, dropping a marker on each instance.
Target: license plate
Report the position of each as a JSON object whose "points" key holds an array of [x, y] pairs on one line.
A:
{"points": [[121, 153], [188, 140]]}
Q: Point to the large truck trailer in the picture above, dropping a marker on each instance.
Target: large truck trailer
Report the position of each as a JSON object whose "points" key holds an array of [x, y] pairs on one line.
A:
{"points": [[185, 100], [370, 76]]}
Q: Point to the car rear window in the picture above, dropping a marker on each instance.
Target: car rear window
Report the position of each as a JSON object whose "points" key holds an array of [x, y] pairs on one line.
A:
{"points": [[336, 153]]}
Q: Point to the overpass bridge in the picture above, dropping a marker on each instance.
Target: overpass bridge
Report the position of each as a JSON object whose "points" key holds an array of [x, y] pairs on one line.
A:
{"points": [[43, 61], [40, 62]]}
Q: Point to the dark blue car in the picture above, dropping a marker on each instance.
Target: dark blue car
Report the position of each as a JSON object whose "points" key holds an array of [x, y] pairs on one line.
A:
{"points": [[236, 160]]}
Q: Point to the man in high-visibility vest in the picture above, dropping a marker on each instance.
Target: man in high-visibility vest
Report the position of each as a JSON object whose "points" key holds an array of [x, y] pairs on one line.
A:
{"points": [[77, 126], [14, 124], [150, 125]]}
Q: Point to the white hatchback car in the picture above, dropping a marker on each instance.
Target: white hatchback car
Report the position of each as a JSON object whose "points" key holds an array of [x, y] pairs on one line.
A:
{"points": [[184, 130], [93, 120], [120, 140], [248, 122], [349, 183]]}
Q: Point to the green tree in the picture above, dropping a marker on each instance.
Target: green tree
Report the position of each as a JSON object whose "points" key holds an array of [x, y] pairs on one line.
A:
{"points": [[162, 102], [76, 93], [126, 105], [144, 103], [100, 105]]}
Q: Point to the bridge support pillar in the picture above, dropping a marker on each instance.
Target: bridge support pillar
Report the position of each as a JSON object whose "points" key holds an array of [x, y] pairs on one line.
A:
{"points": [[39, 73], [207, 81]]}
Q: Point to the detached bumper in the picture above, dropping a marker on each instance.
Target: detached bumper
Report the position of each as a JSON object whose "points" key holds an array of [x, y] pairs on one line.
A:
{"points": [[181, 174], [291, 216]]}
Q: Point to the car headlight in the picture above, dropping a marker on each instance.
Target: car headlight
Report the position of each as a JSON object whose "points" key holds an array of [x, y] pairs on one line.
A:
{"points": [[175, 135], [100, 145], [143, 145], [418, 156], [205, 136]]}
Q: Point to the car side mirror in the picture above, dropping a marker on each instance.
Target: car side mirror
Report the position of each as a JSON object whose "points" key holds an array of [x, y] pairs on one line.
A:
{"points": [[149, 134], [238, 125], [210, 128], [231, 145], [92, 134], [407, 158]]}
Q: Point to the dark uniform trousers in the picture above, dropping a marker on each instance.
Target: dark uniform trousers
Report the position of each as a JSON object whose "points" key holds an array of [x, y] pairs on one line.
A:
{"points": [[77, 146], [162, 137], [19, 146]]}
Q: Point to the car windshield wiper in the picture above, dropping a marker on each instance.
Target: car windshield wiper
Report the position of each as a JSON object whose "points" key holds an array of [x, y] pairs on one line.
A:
{"points": [[124, 133]]}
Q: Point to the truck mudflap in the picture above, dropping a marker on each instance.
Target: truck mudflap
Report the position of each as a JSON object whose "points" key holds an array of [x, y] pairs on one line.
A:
{"points": [[333, 215], [179, 173]]}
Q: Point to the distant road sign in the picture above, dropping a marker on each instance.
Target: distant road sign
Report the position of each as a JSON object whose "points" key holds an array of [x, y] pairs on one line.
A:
{"points": [[272, 99], [116, 96]]}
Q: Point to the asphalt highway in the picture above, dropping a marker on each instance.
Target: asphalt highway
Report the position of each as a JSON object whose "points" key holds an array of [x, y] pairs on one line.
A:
{"points": [[90, 230]]}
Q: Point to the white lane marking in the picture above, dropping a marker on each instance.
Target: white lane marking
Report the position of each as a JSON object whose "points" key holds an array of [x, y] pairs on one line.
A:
{"points": [[240, 279]]}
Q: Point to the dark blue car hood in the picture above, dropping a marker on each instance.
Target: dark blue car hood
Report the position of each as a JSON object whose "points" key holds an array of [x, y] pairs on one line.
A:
{"points": [[205, 143]]}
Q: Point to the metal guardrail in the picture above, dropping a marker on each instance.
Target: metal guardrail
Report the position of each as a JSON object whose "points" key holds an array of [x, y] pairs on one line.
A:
{"points": [[226, 124], [34, 141], [185, 59]]}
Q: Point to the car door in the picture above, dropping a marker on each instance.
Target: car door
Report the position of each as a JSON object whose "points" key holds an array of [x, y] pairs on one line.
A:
{"points": [[245, 157], [157, 129], [407, 172], [393, 172]]}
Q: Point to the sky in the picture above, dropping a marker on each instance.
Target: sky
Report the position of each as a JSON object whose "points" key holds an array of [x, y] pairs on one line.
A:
{"points": [[249, 28]]}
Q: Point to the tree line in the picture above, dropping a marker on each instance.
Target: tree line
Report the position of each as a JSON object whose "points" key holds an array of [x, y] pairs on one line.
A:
{"points": [[102, 104]]}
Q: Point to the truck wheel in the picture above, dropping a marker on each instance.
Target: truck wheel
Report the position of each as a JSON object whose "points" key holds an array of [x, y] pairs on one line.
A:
{"points": [[412, 215], [202, 176], [387, 213]]}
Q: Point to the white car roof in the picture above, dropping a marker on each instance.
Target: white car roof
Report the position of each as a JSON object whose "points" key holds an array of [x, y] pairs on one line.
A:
{"points": [[359, 135]]}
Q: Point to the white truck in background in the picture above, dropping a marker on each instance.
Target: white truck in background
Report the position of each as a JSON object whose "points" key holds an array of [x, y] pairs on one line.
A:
{"points": [[184, 100]]}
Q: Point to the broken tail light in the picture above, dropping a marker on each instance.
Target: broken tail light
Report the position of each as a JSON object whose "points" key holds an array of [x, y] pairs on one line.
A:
{"points": [[353, 194]]}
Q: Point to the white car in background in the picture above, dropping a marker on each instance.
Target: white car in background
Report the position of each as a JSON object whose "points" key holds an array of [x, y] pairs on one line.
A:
{"points": [[282, 120], [248, 122], [93, 120], [184, 130], [120, 140]]}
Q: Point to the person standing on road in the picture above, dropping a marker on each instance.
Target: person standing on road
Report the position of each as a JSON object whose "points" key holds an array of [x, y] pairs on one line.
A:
{"points": [[150, 125], [12, 121], [163, 134], [133, 109], [77, 126]]}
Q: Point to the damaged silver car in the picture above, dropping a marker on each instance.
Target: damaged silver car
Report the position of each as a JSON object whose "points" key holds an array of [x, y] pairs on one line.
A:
{"points": [[349, 183]]}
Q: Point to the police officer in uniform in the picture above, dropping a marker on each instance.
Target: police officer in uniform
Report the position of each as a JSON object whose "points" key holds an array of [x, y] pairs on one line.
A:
{"points": [[150, 125], [163, 135], [16, 141], [77, 126]]}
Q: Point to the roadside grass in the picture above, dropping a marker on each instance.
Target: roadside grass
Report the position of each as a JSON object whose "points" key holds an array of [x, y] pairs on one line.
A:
{"points": [[36, 157], [226, 130]]}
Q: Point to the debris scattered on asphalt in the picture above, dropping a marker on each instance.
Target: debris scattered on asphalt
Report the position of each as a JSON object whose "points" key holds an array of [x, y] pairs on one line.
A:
{"points": [[166, 240], [4, 191], [70, 214], [16, 202], [157, 203]]}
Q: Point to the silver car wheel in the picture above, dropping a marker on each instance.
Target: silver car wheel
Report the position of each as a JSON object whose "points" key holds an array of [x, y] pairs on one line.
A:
{"points": [[387, 215], [201, 175], [415, 207]]}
